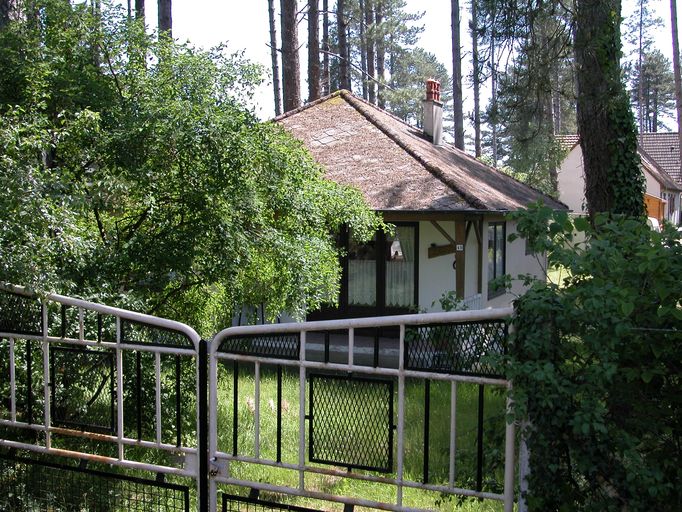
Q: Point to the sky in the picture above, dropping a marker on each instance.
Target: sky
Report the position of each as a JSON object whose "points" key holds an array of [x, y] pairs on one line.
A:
{"points": [[244, 26]]}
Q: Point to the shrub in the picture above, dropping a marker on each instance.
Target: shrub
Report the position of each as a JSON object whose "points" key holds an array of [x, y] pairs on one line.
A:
{"points": [[596, 365]]}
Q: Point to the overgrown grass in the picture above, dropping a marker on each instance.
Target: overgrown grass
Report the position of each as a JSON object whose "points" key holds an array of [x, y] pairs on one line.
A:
{"points": [[439, 440]]}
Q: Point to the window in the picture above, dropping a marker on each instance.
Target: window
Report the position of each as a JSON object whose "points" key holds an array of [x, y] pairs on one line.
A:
{"points": [[362, 274], [496, 257], [382, 274], [401, 268]]}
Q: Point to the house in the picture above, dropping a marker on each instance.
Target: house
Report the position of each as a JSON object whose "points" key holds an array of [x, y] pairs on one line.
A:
{"points": [[448, 208], [664, 149], [662, 197]]}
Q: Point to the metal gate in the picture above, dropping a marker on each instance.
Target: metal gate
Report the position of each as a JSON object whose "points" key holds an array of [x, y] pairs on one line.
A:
{"points": [[109, 409]]}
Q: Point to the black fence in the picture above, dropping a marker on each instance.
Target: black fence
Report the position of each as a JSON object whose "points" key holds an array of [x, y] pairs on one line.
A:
{"points": [[233, 503], [36, 485]]}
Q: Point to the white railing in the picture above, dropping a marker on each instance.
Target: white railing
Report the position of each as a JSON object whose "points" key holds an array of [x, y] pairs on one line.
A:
{"points": [[339, 347], [186, 457], [307, 360]]}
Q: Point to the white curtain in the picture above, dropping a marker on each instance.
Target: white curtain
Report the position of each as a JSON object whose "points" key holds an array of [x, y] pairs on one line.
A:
{"points": [[362, 287], [400, 271]]}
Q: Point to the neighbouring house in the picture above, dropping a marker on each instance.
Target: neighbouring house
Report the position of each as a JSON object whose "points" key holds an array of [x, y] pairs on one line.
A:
{"points": [[448, 208], [662, 197]]}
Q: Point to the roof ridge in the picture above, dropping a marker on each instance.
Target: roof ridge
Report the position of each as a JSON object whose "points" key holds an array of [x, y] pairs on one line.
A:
{"points": [[308, 105], [361, 107]]}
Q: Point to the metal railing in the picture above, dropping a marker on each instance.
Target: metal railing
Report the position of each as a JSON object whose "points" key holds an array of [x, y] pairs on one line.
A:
{"points": [[97, 383], [58, 347], [442, 347]]}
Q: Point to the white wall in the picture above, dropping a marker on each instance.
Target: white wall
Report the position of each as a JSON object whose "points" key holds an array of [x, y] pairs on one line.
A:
{"points": [[653, 187], [436, 275], [517, 263], [571, 181]]}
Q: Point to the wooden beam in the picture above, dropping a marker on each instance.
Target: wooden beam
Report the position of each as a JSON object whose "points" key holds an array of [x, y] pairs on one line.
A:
{"points": [[444, 233], [440, 250], [460, 255], [479, 236]]}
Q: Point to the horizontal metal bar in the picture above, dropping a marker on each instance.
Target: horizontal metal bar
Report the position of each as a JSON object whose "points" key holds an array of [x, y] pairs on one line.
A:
{"points": [[105, 344], [99, 437], [360, 323], [361, 476], [97, 458], [355, 501], [109, 310], [369, 370]]}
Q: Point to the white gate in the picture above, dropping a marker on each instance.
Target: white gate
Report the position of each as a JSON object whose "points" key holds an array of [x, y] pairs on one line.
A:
{"points": [[302, 409]]}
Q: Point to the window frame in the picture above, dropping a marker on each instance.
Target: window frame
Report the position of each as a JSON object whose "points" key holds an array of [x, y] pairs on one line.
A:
{"points": [[493, 293]]}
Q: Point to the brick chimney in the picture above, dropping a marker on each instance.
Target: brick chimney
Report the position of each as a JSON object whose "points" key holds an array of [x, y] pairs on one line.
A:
{"points": [[433, 112]]}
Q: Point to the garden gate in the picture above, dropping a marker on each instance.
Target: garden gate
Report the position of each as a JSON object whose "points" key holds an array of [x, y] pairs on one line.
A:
{"points": [[107, 409]]}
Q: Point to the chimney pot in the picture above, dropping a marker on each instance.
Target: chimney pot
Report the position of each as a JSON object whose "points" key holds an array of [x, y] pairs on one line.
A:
{"points": [[432, 89]]}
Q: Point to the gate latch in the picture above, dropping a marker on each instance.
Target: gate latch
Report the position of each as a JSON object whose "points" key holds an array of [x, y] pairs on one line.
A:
{"points": [[217, 467]]}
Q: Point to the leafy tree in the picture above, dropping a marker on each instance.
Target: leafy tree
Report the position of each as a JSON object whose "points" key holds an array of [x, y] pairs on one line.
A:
{"points": [[411, 70], [138, 179], [653, 91], [596, 365]]}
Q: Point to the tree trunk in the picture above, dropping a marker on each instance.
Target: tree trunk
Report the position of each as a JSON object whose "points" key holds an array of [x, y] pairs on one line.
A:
{"points": [[640, 92], [556, 102], [325, 48], [291, 73], [344, 71], [139, 9], [457, 77], [493, 98], [371, 39], [165, 18], [379, 17], [676, 71], [274, 58], [613, 180], [476, 78], [313, 50], [363, 50]]}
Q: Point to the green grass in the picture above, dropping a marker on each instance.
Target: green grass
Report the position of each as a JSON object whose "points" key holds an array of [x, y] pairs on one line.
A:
{"points": [[466, 440]]}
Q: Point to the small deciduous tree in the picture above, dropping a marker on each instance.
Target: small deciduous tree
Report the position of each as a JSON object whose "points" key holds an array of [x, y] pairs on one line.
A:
{"points": [[150, 186]]}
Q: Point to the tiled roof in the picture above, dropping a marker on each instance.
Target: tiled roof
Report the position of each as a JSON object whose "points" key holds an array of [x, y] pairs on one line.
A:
{"points": [[568, 142], [395, 166], [657, 172], [659, 153], [664, 148]]}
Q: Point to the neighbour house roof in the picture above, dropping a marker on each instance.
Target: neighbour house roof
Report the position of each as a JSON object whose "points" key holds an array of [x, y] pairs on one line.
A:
{"points": [[395, 166], [568, 142], [664, 148], [655, 166]]}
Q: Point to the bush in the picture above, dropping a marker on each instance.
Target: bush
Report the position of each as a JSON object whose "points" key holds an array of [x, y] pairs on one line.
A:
{"points": [[596, 366]]}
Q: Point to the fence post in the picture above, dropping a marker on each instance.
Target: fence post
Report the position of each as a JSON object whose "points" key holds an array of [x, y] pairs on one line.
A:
{"points": [[524, 467], [202, 441]]}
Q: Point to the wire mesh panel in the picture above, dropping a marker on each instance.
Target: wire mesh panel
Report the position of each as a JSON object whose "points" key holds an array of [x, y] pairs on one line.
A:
{"points": [[243, 504], [39, 486], [144, 334], [20, 314], [283, 346], [83, 389], [455, 348], [351, 422]]}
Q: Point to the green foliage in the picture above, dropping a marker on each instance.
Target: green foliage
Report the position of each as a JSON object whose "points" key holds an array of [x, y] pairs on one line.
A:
{"points": [[411, 70], [450, 302], [132, 174], [596, 365]]}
